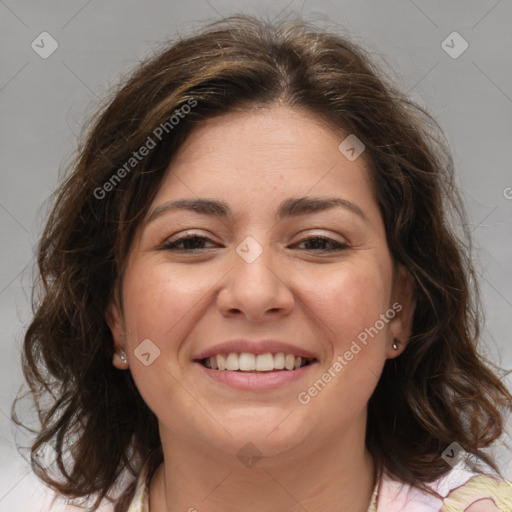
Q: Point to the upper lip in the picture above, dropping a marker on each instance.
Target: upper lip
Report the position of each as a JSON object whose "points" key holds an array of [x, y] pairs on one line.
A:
{"points": [[254, 347]]}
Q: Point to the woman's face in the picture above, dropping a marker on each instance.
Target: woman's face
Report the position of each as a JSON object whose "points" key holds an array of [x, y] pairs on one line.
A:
{"points": [[241, 267]]}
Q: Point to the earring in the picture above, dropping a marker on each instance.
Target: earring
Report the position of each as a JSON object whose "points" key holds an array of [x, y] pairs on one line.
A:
{"points": [[122, 355], [396, 341]]}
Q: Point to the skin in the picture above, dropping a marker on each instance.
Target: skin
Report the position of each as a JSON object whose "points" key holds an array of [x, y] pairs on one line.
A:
{"points": [[314, 456], [485, 505]]}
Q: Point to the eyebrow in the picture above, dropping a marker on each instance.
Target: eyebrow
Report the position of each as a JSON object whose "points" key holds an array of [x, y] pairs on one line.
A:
{"points": [[292, 207]]}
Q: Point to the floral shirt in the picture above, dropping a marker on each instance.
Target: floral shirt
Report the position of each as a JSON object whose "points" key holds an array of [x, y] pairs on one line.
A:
{"points": [[459, 488]]}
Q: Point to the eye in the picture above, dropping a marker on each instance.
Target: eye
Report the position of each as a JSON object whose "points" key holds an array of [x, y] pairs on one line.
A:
{"points": [[194, 243], [186, 243], [318, 243]]}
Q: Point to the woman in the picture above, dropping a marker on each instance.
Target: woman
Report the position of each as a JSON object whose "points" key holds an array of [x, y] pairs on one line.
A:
{"points": [[251, 296]]}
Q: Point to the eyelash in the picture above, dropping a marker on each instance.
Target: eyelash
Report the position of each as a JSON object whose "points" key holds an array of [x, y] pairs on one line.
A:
{"points": [[172, 246]]}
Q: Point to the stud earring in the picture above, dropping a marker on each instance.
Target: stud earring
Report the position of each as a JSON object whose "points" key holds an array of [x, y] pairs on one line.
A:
{"points": [[122, 355], [396, 341]]}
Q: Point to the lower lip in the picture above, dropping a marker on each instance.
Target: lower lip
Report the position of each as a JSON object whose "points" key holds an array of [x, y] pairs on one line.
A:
{"points": [[257, 380]]}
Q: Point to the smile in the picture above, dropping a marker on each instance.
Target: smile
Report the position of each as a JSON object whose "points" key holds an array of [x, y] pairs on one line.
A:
{"points": [[249, 362]]}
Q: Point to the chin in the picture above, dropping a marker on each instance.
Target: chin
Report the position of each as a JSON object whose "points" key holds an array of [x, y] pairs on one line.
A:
{"points": [[263, 436]]}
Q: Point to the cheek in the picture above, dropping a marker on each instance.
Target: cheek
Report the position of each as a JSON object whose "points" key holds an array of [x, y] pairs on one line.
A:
{"points": [[158, 299], [349, 301], [157, 306], [348, 305]]}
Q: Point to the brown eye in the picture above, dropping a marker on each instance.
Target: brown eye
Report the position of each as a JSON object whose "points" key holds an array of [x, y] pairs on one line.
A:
{"points": [[319, 243], [186, 243]]}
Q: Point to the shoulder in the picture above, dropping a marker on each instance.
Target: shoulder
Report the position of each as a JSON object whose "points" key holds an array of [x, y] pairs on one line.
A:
{"points": [[480, 493], [460, 490]]}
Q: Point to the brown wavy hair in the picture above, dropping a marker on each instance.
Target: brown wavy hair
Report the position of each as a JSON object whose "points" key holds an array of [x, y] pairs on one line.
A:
{"points": [[439, 390]]}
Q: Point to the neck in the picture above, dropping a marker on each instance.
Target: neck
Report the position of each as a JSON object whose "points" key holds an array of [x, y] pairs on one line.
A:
{"points": [[336, 476]]}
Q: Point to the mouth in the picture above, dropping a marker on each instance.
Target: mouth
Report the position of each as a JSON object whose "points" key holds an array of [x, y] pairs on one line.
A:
{"points": [[246, 362], [256, 365]]}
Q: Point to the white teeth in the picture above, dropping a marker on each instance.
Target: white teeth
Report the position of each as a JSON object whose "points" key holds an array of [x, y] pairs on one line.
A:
{"points": [[289, 362], [279, 361], [247, 361], [251, 362], [221, 362], [265, 362], [232, 362]]}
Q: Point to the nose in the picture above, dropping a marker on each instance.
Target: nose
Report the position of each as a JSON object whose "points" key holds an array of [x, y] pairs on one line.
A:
{"points": [[259, 290]]}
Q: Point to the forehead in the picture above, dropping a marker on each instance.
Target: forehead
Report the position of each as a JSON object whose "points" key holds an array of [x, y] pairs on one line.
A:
{"points": [[260, 131], [277, 148]]}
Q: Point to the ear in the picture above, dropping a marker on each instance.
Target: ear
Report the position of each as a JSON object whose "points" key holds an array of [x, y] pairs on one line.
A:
{"points": [[115, 322], [403, 303]]}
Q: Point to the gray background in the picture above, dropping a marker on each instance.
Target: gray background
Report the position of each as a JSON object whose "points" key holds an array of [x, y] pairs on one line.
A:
{"points": [[44, 102]]}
